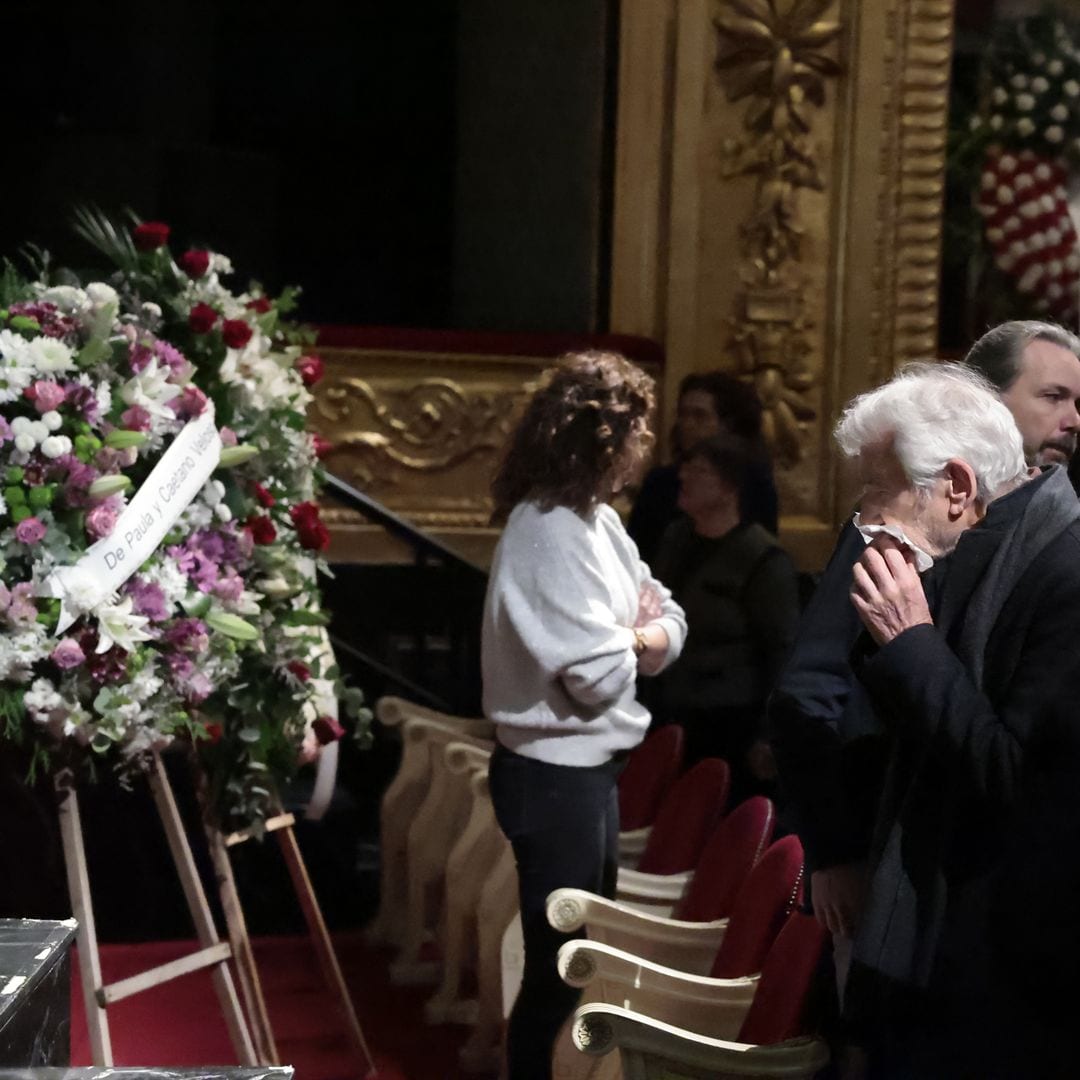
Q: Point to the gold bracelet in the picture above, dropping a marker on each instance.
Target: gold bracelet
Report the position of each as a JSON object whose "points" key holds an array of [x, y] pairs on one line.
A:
{"points": [[640, 641]]}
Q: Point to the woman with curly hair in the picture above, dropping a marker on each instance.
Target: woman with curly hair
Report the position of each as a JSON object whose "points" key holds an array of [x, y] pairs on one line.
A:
{"points": [[572, 617]]}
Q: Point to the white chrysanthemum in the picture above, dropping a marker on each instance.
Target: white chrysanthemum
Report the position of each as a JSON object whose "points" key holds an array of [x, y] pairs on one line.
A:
{"points": [[41, 700], [1071, 87], [1025, 102], [13, 347], [50, 355], [1000, 95], [1039, 85], [82, 590], [1018, 82], [996, 121], [3, 506], [20, 651], [13, 381], [1054, 134], [1024, 126], [119, 625], [67, 298], [220, 264], [1055, 67], [1059, 112]]}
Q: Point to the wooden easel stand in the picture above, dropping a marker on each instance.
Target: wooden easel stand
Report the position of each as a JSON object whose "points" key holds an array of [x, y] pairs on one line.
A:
{"points": [[213, 953]]}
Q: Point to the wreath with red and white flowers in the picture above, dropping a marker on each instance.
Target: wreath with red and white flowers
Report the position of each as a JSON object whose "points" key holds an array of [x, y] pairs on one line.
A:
{"points": [[1027, 127]]}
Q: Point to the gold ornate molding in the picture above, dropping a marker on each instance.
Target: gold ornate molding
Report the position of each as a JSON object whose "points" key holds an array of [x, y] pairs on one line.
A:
{"points": [[421, 433], [773, 54], [426, 425], [826, 268], [918, 66]]}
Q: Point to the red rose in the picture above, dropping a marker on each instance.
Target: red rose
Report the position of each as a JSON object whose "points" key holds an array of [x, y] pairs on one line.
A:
{"points": [[266, 500], [236, 333], [214, 733], [327, 730], [150, 235], [260, 305], [262, 529], [322, 445], [313, 534], [201, 318], [299, 669], [194, 263], [310, 368]]}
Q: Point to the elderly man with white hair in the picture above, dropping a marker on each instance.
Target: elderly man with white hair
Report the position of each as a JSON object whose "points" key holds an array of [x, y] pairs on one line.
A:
{"points": [[968, 936]]}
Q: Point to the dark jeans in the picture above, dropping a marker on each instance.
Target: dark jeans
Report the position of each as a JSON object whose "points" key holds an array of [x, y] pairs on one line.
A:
{"points": [[563, 824]]}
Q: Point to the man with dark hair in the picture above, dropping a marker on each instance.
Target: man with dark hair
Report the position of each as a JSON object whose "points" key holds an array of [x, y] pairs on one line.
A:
{"points": [[829, 759], [1034, 366], [710, 403]]}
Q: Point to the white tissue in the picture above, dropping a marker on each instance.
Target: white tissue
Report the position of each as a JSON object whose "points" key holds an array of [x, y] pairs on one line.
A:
{"points": [[868, 532]]}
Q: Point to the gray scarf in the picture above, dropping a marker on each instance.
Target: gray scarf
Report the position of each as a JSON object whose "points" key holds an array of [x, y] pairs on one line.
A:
{"points": [[1051, 509]]}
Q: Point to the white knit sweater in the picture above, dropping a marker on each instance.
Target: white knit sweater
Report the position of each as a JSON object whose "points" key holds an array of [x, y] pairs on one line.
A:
{"points": [[557, 648]]}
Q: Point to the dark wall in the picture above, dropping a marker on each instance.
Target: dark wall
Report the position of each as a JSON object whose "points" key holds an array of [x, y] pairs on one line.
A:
{"points": [[532, 163], [434, 164]]}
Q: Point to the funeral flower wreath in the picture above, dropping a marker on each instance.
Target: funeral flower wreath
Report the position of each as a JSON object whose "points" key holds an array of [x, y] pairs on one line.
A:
{"points": [[160, 536]]}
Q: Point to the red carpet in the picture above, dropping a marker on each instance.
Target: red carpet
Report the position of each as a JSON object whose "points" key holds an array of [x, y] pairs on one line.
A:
{"points": [[179, 1023]]}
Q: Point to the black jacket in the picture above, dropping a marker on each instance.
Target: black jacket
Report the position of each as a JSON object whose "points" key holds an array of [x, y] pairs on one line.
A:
{"points": [[826, 740], [972, 919]]}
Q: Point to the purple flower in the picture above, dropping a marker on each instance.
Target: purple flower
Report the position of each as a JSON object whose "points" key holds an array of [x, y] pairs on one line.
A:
{"points": [[52, 323], [67, 654], [5, 431], [102, 519], [171, 357], [29, 531], [140, 354], [180, 665], [228, 436], [188, 635], [84, 401], [229, 586], [148, 599]]}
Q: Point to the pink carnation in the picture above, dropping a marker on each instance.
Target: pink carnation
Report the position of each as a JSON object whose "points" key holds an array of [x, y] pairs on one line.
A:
{"points": [[67, 654], [48, 395], [101, 520], [136, 418], [29, 531], [192, 403], [228, 437]]}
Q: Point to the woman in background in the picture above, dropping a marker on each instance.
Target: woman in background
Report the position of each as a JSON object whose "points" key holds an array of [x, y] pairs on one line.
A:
{"points": [[710, 403], [740, 593], [571, 618]]}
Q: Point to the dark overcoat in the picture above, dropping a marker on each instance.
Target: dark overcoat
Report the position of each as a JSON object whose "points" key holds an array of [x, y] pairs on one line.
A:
{"points": [[967, 952]]}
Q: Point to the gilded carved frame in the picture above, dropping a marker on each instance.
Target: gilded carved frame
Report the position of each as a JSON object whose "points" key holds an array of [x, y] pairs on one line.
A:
{"points": [[779, 188]]}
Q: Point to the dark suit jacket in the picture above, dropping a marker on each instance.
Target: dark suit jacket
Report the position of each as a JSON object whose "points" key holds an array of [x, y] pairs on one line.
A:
{"points": [[973, 911], [825, 738]]}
